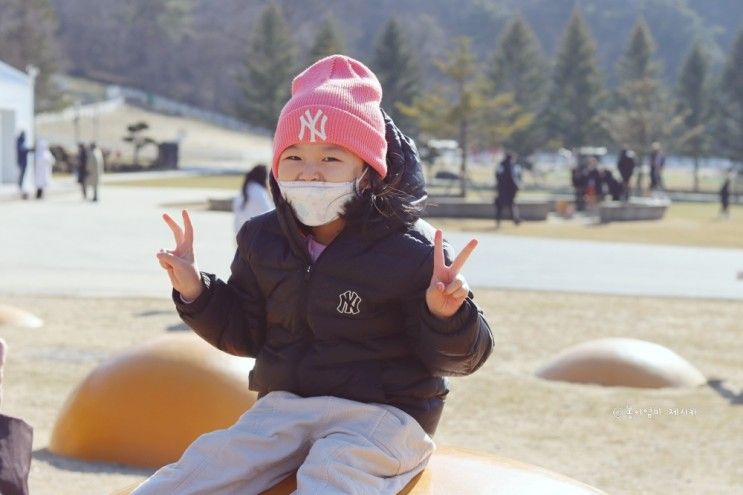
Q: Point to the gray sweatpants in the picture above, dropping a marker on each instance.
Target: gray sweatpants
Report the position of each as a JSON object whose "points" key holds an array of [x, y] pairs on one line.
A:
{"points": [[339, 446]]}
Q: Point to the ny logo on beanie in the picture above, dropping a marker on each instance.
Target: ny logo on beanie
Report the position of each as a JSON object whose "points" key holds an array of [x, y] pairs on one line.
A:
{"points": [[309, 122], [350, 302]]}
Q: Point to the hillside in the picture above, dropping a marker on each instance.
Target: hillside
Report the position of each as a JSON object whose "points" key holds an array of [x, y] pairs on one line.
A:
{"points": [[196, 54], [202, 145]]}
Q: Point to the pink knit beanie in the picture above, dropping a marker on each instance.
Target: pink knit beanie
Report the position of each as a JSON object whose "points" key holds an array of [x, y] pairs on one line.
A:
{"points": [[335, 100]]}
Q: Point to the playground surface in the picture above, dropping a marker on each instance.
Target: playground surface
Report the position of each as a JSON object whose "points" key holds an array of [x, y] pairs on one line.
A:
{"points": [[684, 442]]}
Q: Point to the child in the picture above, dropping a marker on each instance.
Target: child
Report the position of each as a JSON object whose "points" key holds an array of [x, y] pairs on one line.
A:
{"points": [[253, 198], [349, 303]]}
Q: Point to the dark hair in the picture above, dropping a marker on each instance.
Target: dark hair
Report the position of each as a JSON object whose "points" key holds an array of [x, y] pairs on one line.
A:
{"points": [[259, 175], [383, 200]]}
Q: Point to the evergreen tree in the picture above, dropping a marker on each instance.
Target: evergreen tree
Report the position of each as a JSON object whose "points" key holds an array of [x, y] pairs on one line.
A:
{"points": [[461, 68], [395, 65], [156, 29], [468, 111], [573, 114], [730, 104], [269, 70], [27, 38], [518, 68], [644, 113], [637, 61], [693, 102], [327, 42]]}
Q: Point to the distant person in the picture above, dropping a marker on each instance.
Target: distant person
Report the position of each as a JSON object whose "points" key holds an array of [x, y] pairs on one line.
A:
{"points": [[626, 167], [94, 169], [22, 160], [594, 186], [43, 162], [253, 199], [725, 193], [579, 179], [82, 167], [657, 162], [507, 184], [610, 185]]}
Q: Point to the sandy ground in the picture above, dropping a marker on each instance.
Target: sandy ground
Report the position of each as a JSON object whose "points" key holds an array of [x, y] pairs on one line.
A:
{"points": [[503, 408]]}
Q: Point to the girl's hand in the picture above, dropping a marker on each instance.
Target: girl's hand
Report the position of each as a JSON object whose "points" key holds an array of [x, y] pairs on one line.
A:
{"points": [[448, 289], [180, 262]]}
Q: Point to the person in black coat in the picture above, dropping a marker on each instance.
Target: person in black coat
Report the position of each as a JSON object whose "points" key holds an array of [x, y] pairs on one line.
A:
{"points": [[626, 167], [610, 185], [725, 193], [353, 307], [657, 163], [507, 183], [579, 180], [82, 167], [22, 152], [594, 183]]}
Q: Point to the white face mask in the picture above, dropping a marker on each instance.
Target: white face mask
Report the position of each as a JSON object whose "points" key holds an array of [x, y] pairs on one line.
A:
{"points": [[318, 203]]}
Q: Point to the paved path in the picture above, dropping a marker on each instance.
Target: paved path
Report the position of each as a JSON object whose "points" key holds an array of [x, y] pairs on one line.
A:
{"points": [[63, 245], [603, 267]]}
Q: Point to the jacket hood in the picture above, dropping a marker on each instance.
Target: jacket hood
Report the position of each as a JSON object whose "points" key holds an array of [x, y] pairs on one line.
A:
{"points": [[404, 161]]}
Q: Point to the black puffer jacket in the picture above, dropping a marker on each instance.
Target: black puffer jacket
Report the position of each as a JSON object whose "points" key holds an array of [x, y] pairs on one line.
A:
{"points": [[354, 324]]}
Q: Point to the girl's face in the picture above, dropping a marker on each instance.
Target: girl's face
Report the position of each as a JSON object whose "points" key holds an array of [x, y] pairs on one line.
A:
{"points": [[320, 162]]}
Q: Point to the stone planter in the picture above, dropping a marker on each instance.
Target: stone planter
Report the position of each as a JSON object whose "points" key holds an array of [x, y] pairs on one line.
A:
{"points": [[637, 209], [529, 210]]}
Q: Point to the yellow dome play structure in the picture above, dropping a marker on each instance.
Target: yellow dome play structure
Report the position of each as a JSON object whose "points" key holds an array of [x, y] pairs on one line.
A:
{"points": [[10, 315], [623, 362], [454, 471], [145, 406]]}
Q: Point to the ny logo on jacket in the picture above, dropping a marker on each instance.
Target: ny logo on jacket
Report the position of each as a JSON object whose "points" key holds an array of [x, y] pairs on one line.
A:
{"points": [[349, 304]]}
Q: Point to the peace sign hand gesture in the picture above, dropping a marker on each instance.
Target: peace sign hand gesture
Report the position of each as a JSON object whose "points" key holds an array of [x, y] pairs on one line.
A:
{"points": [[180, 262], [448, 289]]}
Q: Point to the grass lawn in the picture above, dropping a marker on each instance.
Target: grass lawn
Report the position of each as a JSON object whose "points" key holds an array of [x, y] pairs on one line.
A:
{"points": [[685, 224], [503, 408], [675, 179]]}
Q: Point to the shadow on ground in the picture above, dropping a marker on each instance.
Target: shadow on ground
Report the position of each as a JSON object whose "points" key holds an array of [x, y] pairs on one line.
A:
{"points": [[735, 398], [70, 464], [177, 327]]}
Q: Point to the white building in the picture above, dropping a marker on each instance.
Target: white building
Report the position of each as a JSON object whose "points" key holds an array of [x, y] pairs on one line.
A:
{"points": [[16, 115]]}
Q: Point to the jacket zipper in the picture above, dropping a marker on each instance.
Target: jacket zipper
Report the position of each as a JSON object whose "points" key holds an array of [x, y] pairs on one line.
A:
{"points": [[300, 242], [308, 279]]}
